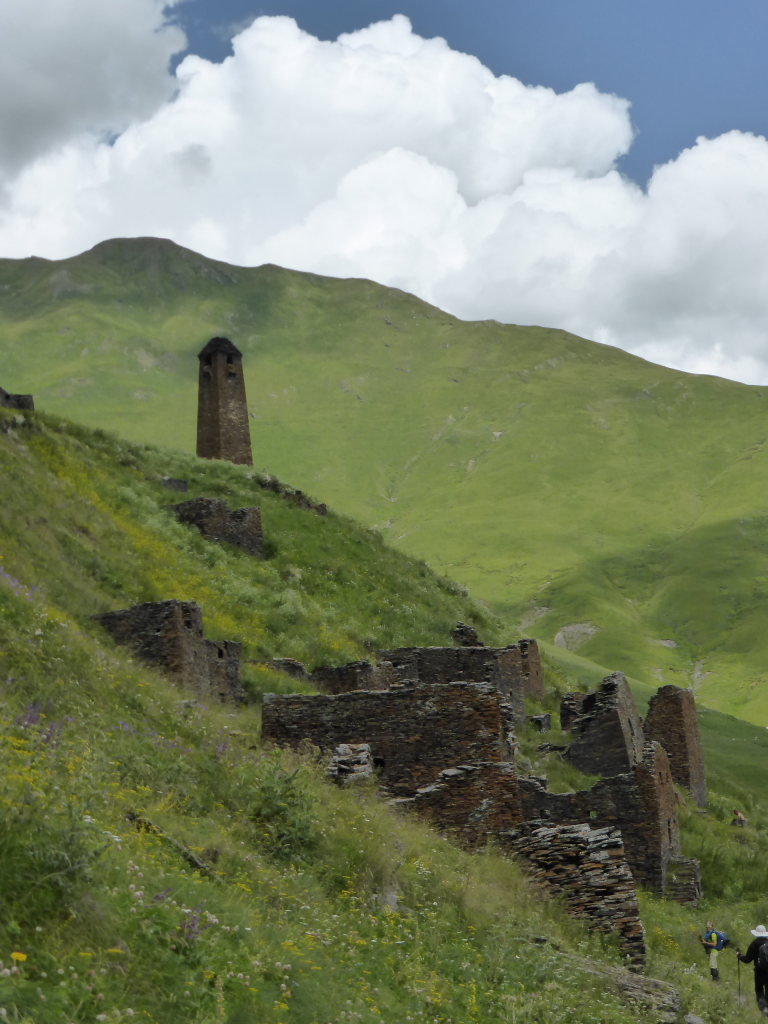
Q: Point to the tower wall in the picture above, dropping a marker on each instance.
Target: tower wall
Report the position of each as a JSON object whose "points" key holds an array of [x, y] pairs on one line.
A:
{"points": [[222, 409]]}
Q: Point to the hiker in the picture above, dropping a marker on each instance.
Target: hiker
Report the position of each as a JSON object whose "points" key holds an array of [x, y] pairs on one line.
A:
{"points": [[756, 956], [738, 819], [713, 941]]}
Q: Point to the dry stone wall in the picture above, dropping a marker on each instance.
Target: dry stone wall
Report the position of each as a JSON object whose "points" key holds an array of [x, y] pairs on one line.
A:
{"points": [[588, 868], [641, 803], [414, 732], [169, 636], [608, 731], [357, 675], [214, 519], [9, 401], [672, 721], [472, 803]]}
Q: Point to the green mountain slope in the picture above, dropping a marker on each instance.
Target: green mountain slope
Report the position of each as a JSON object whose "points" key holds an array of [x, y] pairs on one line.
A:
{"points": [[618, 505], [254, 890]]}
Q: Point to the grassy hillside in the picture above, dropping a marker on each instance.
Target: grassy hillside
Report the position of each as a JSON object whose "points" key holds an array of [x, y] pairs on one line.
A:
{"points": [[261, 892], [567, 483]]}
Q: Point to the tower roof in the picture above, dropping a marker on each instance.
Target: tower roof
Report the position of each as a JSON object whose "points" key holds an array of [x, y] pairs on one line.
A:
{"points": [[220, 345]]}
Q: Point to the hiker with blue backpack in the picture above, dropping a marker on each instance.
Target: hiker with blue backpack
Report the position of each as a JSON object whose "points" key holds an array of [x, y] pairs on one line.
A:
{"points": [[757, 954], [713, 941]]}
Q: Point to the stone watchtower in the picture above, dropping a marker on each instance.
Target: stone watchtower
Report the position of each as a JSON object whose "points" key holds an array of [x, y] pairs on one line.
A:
{"points": [[222, 412]]}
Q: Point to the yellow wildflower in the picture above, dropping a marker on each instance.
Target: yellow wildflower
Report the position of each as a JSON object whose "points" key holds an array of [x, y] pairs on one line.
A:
{"points": [[18, 957]]}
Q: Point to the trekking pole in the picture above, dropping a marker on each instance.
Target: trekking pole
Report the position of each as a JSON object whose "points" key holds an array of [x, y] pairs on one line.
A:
{"points": [[738, 975]]}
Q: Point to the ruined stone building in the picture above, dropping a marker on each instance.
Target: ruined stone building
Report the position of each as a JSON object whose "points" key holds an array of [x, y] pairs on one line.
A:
{"points": [[437, 724], [672, 721], [216, 522], [514, 670], [222, 410], [168, 635], [9, 401], [608, 731], [413, 732]]}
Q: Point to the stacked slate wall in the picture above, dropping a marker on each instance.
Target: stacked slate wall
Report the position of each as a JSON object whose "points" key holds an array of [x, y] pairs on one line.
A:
{"points": [[213, 518], [23, 402], [608, 731], [169, 636], [641, 803], [414, 732], [672, 721], [472, 803], [587, 867]]}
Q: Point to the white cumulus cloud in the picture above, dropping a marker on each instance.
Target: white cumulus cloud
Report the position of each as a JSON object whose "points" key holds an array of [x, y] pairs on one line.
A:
{"points": [[388, 156]]}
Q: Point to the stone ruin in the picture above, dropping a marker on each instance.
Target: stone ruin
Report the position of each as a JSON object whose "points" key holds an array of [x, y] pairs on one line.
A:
{"points": [[443, 747], [610, 736], [413, 732], [168, 635], [351, 762], [587, 868], [672, 721], [291, 494], [23, 402], [608, 731], [216, 522], [514, 670], [222, 409]]}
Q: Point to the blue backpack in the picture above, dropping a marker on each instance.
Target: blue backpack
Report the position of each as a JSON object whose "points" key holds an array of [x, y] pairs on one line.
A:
{"points": [[722, 939]]}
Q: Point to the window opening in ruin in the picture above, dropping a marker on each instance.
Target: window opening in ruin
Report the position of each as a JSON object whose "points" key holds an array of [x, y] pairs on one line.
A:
{"points": [[207, 360], [188, 623], [593, 814], [221, 652]]}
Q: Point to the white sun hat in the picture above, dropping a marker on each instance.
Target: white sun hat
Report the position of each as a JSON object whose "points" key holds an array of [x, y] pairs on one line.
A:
{"points": [[761, 931]]}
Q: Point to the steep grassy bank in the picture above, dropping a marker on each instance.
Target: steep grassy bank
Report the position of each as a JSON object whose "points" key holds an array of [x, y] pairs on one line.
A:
{"points": [[254, 890], [565, 482]]}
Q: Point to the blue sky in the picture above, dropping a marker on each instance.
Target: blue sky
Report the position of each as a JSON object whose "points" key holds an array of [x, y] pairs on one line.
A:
{"points": [[688, 67], [598, 166]]}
